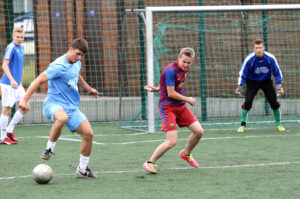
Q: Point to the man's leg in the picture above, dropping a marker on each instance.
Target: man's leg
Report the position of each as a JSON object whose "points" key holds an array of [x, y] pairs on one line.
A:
{"points": [[194, 138], [271, 95], [87, 134], [251, 91], [18, 116], [197, 133], [171, 140], [6, 110], [60, 119]]}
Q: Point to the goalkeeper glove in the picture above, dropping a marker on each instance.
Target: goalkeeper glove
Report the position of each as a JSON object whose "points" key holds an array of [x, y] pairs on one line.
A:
{"points": [[239, 89], [279, 92]]}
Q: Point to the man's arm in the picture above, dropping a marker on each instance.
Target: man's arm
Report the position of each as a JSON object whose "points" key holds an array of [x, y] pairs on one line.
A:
{"points": [[151, 88], [87, 87], [6, 70], [175, 95], [23, 105]]}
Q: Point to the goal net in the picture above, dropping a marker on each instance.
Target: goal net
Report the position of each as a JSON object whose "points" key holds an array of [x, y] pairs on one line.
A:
{"points": [[222, 37]]}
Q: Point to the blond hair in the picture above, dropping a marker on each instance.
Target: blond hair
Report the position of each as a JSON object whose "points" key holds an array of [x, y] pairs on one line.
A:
{"points": [[187, 52], [18, 30]]}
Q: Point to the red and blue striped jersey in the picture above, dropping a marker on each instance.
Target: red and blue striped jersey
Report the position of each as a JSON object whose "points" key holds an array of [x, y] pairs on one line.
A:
{"points": [[171, 76]]}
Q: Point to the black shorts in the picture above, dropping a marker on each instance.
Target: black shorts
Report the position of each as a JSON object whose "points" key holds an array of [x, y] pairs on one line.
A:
{"points": [[251, 90]]}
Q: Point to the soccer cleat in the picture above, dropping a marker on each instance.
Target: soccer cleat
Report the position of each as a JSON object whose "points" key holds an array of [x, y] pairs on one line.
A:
{"points": [[151, 167], [280, 128], [189, 159], [7, 141], [46, 154], [85, 173], [12, 137], [241, 129]]}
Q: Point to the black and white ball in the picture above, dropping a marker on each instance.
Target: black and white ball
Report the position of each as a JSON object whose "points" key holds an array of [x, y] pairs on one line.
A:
{"points": [[42, 174]]}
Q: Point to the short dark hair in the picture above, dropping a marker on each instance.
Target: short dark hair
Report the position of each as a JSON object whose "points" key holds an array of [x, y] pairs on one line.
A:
{"points": [[258, 42], [80, 44]]}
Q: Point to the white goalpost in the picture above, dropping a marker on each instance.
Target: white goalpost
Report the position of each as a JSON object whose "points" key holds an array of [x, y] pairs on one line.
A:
{"points": [[148, 15]]}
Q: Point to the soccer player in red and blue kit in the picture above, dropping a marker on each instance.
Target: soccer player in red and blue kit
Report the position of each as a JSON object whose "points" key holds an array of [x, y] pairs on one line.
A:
{"points": [[173, 110]]}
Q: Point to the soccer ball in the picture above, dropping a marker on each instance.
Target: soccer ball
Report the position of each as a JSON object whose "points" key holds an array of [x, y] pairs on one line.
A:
{"points": [[42, 174]]}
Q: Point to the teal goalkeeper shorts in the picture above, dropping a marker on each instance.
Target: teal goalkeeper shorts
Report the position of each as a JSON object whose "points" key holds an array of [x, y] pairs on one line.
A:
{"points": [[75, 116]]}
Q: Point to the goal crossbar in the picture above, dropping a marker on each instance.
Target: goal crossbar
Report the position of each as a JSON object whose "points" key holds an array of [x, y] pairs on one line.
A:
{"points": [[149, 36]]}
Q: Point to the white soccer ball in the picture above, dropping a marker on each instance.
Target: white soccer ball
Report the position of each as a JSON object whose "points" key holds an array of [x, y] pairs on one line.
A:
{"points": [[42, 174]]}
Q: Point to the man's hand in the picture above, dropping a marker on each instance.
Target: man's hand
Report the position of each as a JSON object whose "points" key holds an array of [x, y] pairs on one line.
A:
{"points": [[192, 101], [13, 84], [151, 88], [93, 92], [280, 91], [238, 90], [24, 106]]}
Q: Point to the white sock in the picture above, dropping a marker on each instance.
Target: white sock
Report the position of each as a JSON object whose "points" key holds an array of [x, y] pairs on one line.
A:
{"points": [[51, 145], [3, 124], [15, 120], [84, 161]]}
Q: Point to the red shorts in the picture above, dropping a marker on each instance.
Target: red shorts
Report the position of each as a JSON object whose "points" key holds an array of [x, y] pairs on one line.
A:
{"points": [[172, 115]]}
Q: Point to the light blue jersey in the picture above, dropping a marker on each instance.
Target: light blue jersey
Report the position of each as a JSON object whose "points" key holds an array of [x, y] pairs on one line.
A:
{"points": [[63, 83], [15, 55]]}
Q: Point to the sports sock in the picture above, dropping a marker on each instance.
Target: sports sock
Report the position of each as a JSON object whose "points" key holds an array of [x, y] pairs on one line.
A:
{"points": [[15, 120], [3, 123], [51, 145], [277, 116], [244, 117], [84, 161]]}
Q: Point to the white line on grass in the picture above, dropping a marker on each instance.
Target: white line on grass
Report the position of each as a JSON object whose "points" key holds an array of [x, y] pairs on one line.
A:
{"points": [[171, 169], [161, 140], [137, 134]]}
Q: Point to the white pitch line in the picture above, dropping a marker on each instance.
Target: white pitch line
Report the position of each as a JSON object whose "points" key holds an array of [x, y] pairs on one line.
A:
{"points": [[171, 169], [161, 140]]}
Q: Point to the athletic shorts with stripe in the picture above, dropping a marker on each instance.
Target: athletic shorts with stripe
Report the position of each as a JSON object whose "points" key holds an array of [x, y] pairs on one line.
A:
{"points": [[172, 115], [11, 95]]}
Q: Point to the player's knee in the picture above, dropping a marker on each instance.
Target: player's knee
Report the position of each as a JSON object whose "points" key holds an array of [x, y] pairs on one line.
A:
{"points": [[61, 119], [247, 106], [275, 106], [199, 132], [171, 143], [89, 134]]}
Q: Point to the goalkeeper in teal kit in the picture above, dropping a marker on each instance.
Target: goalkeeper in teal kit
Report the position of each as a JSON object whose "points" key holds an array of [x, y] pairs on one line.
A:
{"points": [[256, 71]]}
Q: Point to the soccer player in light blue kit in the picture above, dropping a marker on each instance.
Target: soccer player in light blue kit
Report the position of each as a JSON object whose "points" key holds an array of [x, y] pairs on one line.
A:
{"points": [[11, 86], [62, 102], [257, 70]]}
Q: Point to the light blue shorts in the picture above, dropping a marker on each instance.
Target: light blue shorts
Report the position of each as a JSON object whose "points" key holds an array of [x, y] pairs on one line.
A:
{"points": [[75, 116]]}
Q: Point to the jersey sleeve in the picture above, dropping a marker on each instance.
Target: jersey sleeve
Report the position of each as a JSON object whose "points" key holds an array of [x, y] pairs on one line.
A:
{"points": [[170, 77], [9, 52], [54, 71], [243, 73], [276, 71]]}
